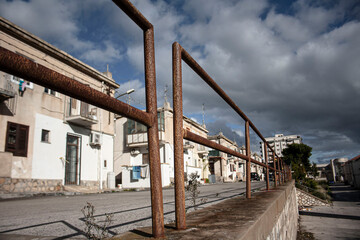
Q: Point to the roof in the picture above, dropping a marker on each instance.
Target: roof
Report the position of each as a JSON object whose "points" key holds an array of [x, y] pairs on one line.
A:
{"points": [[43, 46]]}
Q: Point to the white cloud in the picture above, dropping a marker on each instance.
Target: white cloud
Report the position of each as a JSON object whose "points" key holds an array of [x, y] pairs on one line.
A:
{"points": [[292, 73], [106, 55], [53, 21]]}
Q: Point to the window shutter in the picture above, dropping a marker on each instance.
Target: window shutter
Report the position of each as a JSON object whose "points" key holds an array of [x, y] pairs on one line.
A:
{"points": [[17, 139], [22, 141]]}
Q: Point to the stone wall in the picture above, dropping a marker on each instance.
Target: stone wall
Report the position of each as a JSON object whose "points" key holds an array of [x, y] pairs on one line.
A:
{"points": [[305, 199], [19, 185], [287, 222], [23, 185]]}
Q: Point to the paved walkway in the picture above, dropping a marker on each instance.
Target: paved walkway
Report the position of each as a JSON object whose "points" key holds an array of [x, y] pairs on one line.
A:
{"points": [[340, 221]]}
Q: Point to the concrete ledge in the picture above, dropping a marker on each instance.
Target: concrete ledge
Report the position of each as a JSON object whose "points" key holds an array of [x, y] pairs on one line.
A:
{"points": [[236, 218]]}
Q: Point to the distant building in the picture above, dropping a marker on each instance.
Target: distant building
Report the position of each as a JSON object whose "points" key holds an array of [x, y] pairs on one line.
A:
{"points": [[225, 167], [321, 169], [279, 143], [131, 158]]}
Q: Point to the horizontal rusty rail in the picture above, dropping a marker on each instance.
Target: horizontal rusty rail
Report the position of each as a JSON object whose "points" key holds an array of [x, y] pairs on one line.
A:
{"points": [[134, 14], [211, 144], [20, 66]]}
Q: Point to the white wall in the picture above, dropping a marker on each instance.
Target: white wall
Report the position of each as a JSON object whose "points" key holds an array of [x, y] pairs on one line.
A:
{"points": [[47, 162], [126, 179]]}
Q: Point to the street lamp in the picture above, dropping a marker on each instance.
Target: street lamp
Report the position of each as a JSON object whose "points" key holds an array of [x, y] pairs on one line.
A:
{"points": [[127, 92]]}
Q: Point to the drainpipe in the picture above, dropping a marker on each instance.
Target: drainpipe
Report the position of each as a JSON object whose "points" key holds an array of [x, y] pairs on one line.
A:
{"points": [[101, 137]]}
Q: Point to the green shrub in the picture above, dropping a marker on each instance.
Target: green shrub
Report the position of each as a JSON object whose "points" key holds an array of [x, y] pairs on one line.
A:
{"points": [[311, 183], [319, 195]]}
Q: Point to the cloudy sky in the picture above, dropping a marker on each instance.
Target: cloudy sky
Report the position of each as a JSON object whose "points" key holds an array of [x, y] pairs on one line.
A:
{"points": [[292, 66]]}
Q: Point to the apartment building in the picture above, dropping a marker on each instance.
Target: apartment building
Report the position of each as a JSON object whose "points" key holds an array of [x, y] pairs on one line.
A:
{"points": [[279, 143], [50, 140], [131, 159]]}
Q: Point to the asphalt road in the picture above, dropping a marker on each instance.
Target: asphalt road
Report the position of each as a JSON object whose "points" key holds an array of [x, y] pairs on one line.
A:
{"points": [[61, 216]]}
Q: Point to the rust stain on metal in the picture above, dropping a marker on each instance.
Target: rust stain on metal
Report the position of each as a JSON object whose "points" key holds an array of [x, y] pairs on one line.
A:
{"points": [[267, 168], [20, 66], [153, 136], [180, 210], [248, 154]]}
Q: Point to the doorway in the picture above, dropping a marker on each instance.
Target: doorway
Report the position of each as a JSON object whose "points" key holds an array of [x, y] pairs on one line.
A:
{"points": [[72, 171]]}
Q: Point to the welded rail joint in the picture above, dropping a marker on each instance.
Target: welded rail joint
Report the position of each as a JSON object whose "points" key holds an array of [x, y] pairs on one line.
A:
{"points": [[180, 54]]}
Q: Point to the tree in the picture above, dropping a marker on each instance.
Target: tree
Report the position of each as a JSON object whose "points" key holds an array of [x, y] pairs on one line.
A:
{"points": [[297, 156], [314, 170]]}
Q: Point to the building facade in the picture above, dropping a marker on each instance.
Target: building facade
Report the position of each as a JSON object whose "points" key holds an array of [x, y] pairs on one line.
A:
{"points": [[226, 167], [279, 143], [50, 140], [131, 159]]}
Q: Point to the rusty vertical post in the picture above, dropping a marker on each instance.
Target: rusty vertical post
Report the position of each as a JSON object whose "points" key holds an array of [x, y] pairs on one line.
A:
{"points": [[275, 172], [282, 172], [178, 139], [267, 167], [248, 155], [153, 136], [279, 172]]}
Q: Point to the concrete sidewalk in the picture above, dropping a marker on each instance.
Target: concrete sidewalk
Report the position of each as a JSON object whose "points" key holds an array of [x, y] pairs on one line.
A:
{"points": [[340, 221]]}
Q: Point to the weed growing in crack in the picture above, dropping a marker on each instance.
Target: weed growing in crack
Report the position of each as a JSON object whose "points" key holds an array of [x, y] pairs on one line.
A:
{"points": [[93, 229], [192, 191]]}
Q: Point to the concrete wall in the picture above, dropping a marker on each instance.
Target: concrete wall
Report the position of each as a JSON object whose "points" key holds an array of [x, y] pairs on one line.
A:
{"points": [[270, 215]]}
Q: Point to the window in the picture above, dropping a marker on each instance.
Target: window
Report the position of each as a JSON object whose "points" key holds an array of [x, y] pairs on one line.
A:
{"points": [[161, 121], [17, 139], [17, 80], [135, 127], [49, 91], [45, 136]]}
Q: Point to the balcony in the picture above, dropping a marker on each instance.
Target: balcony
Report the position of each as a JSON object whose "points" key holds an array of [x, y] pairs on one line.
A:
{"points": [[201, 149], [214, 153], [6, 90], [136, 134], [81, 113], [141, 139]]}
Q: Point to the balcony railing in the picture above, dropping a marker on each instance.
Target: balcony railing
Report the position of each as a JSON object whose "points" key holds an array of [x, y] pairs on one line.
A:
{"points": [[141, 139], [214, 153], [6, 90], [81, 113]]}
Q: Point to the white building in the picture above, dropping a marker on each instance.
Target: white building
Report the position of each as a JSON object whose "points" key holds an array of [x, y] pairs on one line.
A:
{"points": [[49, 139], [279, 143], [131, 159]]}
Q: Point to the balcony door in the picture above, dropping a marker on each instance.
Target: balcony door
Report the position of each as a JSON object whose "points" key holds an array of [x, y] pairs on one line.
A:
{"points": [[72, 160]]}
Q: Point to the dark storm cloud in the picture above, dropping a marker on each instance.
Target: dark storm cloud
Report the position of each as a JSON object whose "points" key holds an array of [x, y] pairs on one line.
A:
{"points": [[292, 69]]}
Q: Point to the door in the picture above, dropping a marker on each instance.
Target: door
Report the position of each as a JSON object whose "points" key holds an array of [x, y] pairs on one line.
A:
{"points": [[72, 160]]}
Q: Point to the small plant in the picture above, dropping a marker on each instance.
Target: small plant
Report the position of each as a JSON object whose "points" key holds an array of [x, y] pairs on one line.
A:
{"points": [[193, 192], [93, 229]]}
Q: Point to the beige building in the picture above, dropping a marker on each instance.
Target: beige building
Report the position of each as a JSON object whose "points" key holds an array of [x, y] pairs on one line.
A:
{"points": [[49, 139], [225, 167], [131, 161]]}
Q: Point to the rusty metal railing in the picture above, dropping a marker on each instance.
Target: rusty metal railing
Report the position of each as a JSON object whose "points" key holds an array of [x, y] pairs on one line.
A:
{"points": [[180, 133], [20, 66]]}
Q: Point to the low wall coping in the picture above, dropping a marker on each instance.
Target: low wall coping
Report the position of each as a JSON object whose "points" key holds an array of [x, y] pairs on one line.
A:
{"points": [[235, 218]]}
